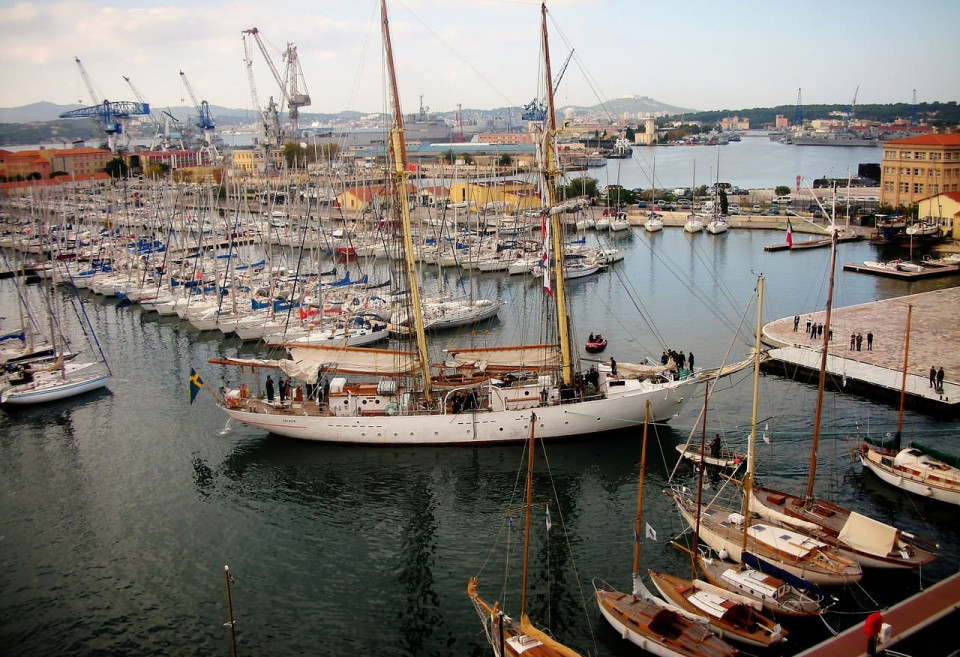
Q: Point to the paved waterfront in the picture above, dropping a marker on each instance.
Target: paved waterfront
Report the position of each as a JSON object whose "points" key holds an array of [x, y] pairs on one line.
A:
{"points": [[934, 333]]}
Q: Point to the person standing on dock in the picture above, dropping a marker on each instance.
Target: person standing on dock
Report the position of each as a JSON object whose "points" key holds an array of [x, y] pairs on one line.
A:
{"points": [[933, 375], [809, 321], [940, 379], [796, 323], [853, 341], [869, 340], [859, 340]]}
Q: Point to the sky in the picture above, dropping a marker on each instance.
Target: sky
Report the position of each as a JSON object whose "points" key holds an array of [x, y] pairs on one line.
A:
{"points": [[483, 54]]}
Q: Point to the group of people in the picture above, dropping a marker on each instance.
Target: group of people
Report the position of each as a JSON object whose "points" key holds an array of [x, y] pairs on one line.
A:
{"points": [[936, 378], [856, 341], [287, 390], [683, 361], [814, 329]]}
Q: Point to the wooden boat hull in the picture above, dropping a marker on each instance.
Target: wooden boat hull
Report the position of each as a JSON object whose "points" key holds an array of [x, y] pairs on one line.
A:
{"points": [[943, 491], [676, 592], [636, 620]]}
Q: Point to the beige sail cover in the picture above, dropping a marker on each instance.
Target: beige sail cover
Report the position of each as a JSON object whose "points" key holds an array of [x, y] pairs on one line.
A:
{"points": [[868, 535], [352, 360], [305, 372], [534, 356]]}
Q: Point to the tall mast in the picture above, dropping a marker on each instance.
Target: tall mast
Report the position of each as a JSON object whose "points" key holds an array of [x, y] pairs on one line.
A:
{"points": [[398, 151], [903, 383], [550, 174], [637, 528], [751, 446], [823, 367]]}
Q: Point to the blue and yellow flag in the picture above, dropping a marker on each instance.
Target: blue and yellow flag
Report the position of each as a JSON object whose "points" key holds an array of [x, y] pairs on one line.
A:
{"points": [[195, 384]]}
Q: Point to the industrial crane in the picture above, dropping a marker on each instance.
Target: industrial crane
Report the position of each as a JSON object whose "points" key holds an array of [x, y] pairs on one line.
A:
{"points": [[290, 83], [536, 110], [110, 115], [204, 119], [161, 131]]}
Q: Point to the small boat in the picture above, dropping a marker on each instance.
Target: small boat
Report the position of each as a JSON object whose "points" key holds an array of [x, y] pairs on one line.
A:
{"points": [[595, 344], [653, 223], [694, 223], [724, 458], [717, 225], [913, 470], [729, 614]]}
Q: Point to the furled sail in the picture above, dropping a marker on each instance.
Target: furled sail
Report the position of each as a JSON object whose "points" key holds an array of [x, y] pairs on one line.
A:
{"points": [[531, 357]]}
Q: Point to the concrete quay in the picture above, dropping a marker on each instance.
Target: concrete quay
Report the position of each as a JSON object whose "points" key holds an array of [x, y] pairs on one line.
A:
{"points": [[934, 341]]}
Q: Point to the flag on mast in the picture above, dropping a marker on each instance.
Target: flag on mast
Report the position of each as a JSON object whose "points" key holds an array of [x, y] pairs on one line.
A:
{"points": [[545, 255], [195, 384], [789, 234]]}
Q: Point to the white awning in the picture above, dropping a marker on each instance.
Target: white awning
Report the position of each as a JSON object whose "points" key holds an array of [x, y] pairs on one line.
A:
{"points": [[868, 535]]}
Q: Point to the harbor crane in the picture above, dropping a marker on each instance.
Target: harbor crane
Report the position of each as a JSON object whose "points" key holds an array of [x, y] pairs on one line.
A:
{"points": [[204, 119], [110, 115], [798, 117], [161, 133], [269, 124], [536, 110], [291, 83]]}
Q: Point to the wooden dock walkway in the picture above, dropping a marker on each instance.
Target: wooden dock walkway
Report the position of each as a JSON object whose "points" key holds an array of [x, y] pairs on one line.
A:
{"points": [[934, 342], [930, 270], [905, 619]]}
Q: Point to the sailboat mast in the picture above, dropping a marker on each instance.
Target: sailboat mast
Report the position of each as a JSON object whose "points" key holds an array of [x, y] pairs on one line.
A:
{"points": [[823, 367], [903, 383], [550, 174], [751, 445], [639, 519], [526, 527], [398, 150]]}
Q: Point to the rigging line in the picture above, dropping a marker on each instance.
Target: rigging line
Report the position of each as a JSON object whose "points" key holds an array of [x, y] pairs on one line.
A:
{"points": [[493, 87], [566, 536]]}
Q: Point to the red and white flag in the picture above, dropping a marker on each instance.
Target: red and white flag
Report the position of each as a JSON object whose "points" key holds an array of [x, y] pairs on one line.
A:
{"points": [[789, 234], [545, 255]]}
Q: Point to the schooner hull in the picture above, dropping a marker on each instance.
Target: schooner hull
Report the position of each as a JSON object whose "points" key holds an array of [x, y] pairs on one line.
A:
{"points": [[473, 427]]}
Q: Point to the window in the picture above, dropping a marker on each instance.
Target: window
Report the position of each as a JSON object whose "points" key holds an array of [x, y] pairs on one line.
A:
{"points": [[918, 188], [904, 187], [906, 155], [919, 156]]}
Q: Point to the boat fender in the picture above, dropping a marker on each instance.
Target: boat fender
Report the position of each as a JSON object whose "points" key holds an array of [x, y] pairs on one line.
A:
{"points": [[723, 554], [391, 409]]}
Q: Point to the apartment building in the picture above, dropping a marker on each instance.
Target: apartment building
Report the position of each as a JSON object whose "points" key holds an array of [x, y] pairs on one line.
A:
{"points": [[919, 167]]}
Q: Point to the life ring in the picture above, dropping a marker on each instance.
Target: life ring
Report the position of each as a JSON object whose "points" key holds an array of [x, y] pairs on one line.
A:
{"points": [[391, 409]]}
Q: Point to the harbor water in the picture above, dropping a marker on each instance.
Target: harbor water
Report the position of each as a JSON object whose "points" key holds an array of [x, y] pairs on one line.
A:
{"points": [[120, 509]]}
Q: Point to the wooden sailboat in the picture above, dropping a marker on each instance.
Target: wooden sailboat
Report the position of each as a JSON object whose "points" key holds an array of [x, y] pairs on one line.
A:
{"points": [[732, 533], [398, 400], [912, 469], [870, 542], [646, 622], [731, 615], [507, 635], [777, 595]]}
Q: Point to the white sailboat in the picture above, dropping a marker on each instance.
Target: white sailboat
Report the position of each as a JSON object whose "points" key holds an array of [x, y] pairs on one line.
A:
{"points": [[913, 469], [41, 382], [399, 400]]}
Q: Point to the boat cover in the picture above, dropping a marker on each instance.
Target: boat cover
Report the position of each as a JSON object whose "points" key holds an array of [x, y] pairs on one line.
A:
{"points": [[868, 535]]}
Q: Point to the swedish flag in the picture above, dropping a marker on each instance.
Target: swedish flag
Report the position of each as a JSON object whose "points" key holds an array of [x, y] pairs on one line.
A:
{"points": [[195, 384]]}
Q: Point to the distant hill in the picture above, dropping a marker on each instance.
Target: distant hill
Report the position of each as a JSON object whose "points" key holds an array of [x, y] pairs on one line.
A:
{"points": [[627, 105]]}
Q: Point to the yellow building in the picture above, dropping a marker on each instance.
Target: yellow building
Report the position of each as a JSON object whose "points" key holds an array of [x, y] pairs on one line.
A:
{"points": [[77, 161], [505, 194], [916, 168], [248, 161], [943, 210]]}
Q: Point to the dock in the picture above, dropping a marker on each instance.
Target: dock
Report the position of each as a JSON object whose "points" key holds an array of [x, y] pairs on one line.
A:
{"points": [[905, 619], [930, 270], [934, 337], [816, 243]]}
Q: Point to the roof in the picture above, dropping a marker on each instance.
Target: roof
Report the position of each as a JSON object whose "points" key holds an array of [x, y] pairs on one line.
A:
{"points": [[952, 139], [374, 191]]}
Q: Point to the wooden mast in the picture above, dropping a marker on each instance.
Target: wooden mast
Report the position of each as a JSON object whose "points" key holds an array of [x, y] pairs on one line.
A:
{"points": [[526, 527], [550, 174], [638, 521], [751, 445], [398, 151], [823, 368], [903, 382]]}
